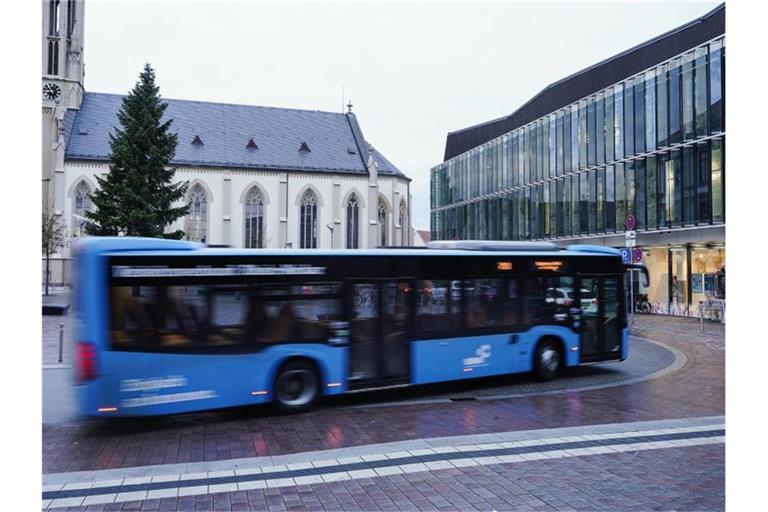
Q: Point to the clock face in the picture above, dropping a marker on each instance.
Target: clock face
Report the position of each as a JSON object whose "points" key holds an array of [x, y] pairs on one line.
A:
{"points": [[51, 91]]}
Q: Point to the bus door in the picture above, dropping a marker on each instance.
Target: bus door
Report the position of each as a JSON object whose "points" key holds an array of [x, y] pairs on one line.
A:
{"points": [[600, 300], [379, 346]]}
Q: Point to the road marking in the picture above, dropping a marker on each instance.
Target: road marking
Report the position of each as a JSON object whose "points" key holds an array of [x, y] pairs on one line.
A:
{"points": [[654, 436]]}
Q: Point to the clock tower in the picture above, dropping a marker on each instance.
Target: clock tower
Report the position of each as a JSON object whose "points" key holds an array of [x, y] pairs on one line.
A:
{"points": [[61, 88]]}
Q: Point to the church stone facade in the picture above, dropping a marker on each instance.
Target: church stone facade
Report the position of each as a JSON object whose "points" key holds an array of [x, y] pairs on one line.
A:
{"points": [[259, 177]]}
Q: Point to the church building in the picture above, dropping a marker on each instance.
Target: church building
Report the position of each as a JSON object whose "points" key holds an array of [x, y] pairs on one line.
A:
{"points": [[259, 177]]}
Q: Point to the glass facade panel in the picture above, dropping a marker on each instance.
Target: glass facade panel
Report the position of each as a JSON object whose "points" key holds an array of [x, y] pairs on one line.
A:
{"points": [[560, 207], [567, 212], [688, 132], [703, 186], [546, 207], [674, 188], [621, 197], [541, 155], [650, 111], [689, 185], [583, 134], [675, 108], [591, 132], [718, 182], [566, 141], [639, 115], [592, 199], [553, 201], [629, 183], [700, 104], [600, 200], [600, 130], [629, 119], [716, 87], [661, 176], [662, 124], [575, 211], [651, 188], [640, 194], [610, 200], [552, 146], [559, 144], [608, 128], [575, 158], [583, 204], [618, 121]]}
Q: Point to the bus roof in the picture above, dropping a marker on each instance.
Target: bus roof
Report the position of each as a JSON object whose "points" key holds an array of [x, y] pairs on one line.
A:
{"points": [[162, 247]]}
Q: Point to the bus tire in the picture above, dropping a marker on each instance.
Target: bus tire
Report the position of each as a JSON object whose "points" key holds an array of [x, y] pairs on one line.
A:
{"points": [[547, 360], [297, 386]]}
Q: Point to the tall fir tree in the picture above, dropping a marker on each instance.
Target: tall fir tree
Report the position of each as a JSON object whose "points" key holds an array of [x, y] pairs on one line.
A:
{"points": [[136, 197]]}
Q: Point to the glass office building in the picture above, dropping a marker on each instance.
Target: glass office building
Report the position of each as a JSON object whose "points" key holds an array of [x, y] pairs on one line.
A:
{"points": [[640, 134]]}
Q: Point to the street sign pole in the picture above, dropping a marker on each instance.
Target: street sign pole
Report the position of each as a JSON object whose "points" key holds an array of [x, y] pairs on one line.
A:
{"points": [[631, 297]]}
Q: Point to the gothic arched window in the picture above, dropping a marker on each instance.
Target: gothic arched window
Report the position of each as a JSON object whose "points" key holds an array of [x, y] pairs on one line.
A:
{"points": [[308, 221], [353, 222], [254, 219], [403, 224], [82, 205], [197, 219], [382, 215]]}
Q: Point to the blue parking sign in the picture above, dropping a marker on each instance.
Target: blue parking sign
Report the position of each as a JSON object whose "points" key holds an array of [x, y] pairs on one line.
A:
{"points": [[626, 255]]}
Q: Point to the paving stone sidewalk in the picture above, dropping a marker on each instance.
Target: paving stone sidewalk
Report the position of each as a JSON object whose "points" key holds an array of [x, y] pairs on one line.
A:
{"points": [[689, 478]]}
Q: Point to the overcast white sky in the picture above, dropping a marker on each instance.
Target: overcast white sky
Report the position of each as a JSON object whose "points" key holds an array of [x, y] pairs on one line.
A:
{"points": [[414, 72]]}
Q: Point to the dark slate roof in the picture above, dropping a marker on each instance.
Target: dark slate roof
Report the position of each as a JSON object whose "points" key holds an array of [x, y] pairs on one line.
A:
{"points": [[596, 77], [225, 130]]}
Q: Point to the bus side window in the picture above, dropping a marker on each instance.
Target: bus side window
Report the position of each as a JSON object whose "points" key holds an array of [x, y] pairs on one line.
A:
{"points": [[438, 306]]}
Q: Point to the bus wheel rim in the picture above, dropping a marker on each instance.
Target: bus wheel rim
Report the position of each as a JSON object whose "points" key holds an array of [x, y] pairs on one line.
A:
{"points": [[550, 359], [296, 387]]}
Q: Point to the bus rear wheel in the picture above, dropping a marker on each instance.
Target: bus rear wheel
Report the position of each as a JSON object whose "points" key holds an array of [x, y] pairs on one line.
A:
{"points": [[547, 360], [297, 386]]}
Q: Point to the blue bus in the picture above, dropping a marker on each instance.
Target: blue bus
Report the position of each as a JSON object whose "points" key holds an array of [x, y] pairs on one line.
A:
{"points": [[167, 326]]}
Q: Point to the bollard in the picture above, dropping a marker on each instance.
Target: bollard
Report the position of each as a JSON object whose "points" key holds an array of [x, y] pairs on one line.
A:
{"points": [[61, 342], [701, 314]]}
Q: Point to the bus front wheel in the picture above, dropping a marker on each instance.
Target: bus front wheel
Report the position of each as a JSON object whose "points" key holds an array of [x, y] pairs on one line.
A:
{"points": [[297, 386], [547, 361]]}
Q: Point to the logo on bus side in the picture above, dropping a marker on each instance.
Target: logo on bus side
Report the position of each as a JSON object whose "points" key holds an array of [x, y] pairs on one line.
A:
{"points": [[482, 354]]}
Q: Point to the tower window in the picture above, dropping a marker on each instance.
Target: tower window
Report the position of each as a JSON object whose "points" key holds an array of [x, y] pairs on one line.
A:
{"points": [[70, 17], [53, 17]]}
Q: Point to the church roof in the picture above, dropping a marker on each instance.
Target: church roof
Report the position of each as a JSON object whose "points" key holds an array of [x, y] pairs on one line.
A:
{"points": [[220, 135]]}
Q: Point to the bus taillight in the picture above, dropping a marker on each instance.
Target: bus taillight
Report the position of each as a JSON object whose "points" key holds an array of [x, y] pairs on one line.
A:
{"points": [[85, 361]]}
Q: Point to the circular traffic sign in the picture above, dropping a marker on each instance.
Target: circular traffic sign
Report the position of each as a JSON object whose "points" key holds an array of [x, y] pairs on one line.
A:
{"points": [[629, 222], [637, 255]]}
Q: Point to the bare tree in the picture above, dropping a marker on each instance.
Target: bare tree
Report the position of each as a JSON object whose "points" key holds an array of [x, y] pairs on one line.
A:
{"points": [[54, 238]]}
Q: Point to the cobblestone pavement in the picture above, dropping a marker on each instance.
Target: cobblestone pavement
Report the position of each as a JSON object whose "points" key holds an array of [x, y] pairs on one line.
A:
{"points": [[697, 389], [689, 478]]}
